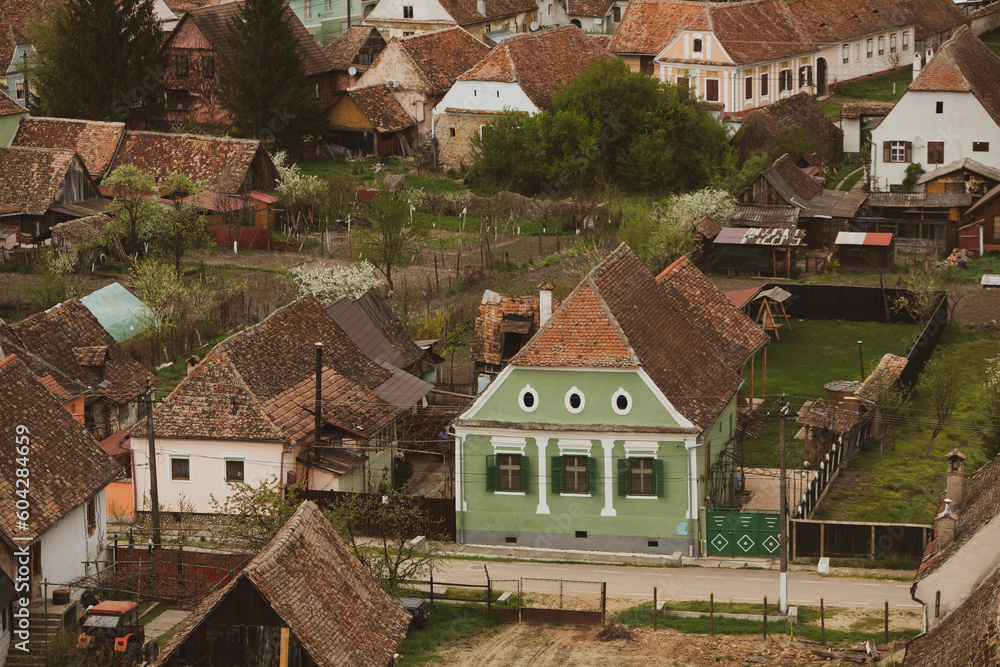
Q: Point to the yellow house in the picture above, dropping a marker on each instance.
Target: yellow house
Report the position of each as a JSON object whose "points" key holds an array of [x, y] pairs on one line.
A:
{"points": [[370, 121]]}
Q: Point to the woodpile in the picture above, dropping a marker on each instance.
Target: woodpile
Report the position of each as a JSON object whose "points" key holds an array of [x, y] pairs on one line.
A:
{"points": [[958, 257]]}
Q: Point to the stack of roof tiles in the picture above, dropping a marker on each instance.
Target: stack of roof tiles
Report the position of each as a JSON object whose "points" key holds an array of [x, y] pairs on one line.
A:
{"points": [[329, 602], [68, 466]]}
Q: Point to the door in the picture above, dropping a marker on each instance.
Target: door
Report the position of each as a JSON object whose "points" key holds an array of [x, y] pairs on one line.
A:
{"points": [[821, 76]]}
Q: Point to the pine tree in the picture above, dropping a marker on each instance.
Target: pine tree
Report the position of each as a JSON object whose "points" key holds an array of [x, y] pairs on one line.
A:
{"points": [[99, 60], [262, 84]]}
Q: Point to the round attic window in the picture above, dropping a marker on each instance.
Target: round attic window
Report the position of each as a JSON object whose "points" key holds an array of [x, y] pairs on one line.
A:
{"points": [[528, 399], [621, 401], [575, 400]]}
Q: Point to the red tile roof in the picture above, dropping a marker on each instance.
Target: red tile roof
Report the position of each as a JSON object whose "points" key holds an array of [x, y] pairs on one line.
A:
{"points": [[95, 142], [619, 316], [343, 51], [381, 107], [32, 178], [66, 341], [591, 8], [742, 297], [467, 11], [964, 64], [315, 585], [649, 25], [9, 106], [540, 62], [15, 15], [733, 335], [441, 56], [487, 345], [68, 466]]}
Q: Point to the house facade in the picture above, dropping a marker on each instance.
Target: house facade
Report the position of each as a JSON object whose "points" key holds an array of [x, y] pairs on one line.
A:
{"points": [[596, 16], [601, 432], [951, 111], [478, 17], [326, 20]]}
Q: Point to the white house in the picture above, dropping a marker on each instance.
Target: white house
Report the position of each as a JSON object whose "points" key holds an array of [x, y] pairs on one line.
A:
{"points": [[951, 111], [402, 18], [590, 15], [246, 413], [53, 529]]}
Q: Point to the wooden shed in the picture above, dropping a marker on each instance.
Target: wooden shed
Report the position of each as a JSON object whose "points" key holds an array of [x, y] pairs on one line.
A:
{"points": [[865, 251], [370, 120], [757, 251]]}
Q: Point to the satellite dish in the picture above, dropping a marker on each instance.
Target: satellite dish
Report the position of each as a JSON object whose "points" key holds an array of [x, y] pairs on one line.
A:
{"points": [[534, 26], [352, 70], [918, 142]]}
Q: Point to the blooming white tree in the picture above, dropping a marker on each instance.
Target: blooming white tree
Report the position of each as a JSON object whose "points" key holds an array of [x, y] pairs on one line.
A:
{"points": [[687, 209], [330, 284]]}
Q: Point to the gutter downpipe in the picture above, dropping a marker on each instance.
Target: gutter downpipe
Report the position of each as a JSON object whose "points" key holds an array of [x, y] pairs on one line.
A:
{"points": [[460, 496]]}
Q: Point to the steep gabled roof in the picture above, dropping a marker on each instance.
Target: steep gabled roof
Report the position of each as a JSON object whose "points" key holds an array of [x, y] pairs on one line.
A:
{"points": [[343, 51], [31, 178], [56, 336], [619, 316], [9, 106], [794, 186], [443, 55], [733, 335], [15, 16], [225, 165], [649, 25], [316, 586], [68, 466], [95, 142], [540, 62], [964, 64], [213, 22], [381, 107]]}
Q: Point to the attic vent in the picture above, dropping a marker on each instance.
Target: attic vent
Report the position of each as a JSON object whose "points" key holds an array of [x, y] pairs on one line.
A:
{"points": [[874, 11], [823, 24]]}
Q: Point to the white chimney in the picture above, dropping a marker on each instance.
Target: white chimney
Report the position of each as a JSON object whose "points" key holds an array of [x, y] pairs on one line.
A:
{"points": [[917, 64], [945, 522], [929, 55], [544, 303], [956, 473], [481, 7]]}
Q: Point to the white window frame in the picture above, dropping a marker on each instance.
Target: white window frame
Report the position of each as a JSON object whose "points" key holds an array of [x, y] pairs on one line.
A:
{"points": [[528, 389], [718, 89], [895, 146], [179, 455], [846, 57], [307, 9], [614, 401], [236, 456], [583, 401]]}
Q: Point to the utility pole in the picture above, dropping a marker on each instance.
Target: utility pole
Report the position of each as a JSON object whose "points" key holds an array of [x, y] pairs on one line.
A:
{"points": [[861, 359], [783, 534], [154, 495]]}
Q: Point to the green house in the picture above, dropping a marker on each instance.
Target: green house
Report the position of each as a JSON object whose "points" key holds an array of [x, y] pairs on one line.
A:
{"points": [[605, 432]]}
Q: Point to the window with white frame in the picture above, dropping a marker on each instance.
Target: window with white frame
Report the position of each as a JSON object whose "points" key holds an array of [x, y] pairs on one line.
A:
{"points": [[180, 468], [881, 45], [575, 400], [307, 9], [905, 39], [507, 472], [712, 90], [528, 398], [235, 469], [748, 88], [640, 476], [897, 151], [846, 53], [870, 47], [621, 401], [892, 43], [328, 5]]}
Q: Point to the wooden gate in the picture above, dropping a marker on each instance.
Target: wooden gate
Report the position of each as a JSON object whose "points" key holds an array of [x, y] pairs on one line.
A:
{"points": [[743, 533]]}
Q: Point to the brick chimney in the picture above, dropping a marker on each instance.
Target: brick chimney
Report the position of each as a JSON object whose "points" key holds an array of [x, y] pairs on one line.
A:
{"points": [[945, 526], [956, 472], [544, 303]]}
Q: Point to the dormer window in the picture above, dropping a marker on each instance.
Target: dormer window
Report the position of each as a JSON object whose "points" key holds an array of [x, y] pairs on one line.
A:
{"points": [[697, 45]]}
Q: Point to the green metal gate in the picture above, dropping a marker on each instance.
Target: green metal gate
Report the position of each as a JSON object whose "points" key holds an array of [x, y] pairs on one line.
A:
{"points": [[743, 533]]}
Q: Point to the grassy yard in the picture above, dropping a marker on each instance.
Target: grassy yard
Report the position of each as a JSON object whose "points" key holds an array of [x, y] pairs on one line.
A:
{"points": [[887, 87], [813, 353], [447, 623], [992, 40], [845, 173], [903, 485]]}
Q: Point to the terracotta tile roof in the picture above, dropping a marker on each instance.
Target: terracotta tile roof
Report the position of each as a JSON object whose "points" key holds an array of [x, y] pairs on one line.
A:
{"points": [[968, 636], [619, 316], [494, 308], [53, 385], [741, 297], [967, 163], [227, 395], [343, 51], [213, 22], [763, 128], [964, 64], [442, 56], [82, 229], [381, 107], [884, 377], [15, 15], [592, 8], [345, 406], [707, 227], [92, 355], [818, 413], [780, 28], [57, 336], [9, 106], [980, 505], [541, 62], [727, 329], [225, 165], [466, 11], [318, 588], [791, 182], [31, 178], [95, 142], [67, 464], [859, 109]]}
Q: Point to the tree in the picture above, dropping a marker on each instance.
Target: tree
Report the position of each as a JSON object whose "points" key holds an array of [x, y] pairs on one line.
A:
{"points": [[58, 282], [377, 528], [330, 284], [990, 407], [250, 516], [133, 212], [181, 227], [308, 198], [391, 240], [942, 382], [161, 289], [507, 154], [924, 291], [263, 84], [99, 60]]}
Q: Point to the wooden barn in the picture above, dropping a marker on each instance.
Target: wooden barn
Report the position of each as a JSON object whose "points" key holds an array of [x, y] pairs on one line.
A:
{"points": [[983, 231], [757, 251], [964, 176], [865, 251], [370, 121]]}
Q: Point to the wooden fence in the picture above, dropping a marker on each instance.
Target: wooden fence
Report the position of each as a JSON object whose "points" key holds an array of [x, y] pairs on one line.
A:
{"points": [[848, 539], [845, 302], [440, 512]]}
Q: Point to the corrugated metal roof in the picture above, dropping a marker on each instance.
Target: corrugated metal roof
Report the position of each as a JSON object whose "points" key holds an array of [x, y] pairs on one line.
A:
{"points": [[991, 279], [360, 329], [766, 215], [760, 236], [850, 238], [864, 238], [731, 235]]}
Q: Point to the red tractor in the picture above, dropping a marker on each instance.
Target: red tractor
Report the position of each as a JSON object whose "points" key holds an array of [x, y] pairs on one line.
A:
{"points": [[112, 636]]}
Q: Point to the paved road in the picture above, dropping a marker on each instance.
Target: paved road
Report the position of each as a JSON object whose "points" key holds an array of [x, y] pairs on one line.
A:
{"points": [[693, 583]]}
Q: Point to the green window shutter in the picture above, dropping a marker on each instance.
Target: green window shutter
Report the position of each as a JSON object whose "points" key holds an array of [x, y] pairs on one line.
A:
{"points": [[492, 473], [658, 477], [525, 474], [624, 477], [558, 474], [591, 475]]}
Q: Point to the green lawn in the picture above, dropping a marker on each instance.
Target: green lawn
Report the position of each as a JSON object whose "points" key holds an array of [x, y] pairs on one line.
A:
{"points": [[992, 40], [852, 179], [834, 182], [813, 353], [879, 87], [904, 485], [447, 623]]}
